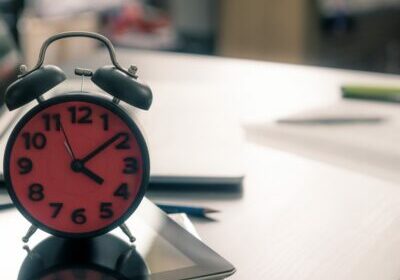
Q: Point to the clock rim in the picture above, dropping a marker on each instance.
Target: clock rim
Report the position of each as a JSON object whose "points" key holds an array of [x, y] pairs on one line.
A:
{"points": [[107, 104]]}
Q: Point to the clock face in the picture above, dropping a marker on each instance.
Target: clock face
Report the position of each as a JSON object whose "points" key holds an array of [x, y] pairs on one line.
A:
{"points": [[76, 166]]}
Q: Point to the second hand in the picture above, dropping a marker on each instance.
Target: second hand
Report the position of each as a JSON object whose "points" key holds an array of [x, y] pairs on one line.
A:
{"points": [[66, 143]]}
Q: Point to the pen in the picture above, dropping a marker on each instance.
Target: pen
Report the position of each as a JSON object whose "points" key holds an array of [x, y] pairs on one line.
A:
{"points": [[189, 210], [343, 120]]}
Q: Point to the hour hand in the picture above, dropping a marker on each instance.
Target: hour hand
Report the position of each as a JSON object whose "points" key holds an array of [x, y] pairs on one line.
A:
{"points": [[92, 175], [78, 166]]}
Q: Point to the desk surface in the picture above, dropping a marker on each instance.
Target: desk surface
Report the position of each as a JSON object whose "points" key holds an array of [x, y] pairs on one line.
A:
{"points": [[296, 218]]}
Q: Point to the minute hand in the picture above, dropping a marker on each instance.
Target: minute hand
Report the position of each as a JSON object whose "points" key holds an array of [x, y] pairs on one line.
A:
{"points": [[101, 148]]}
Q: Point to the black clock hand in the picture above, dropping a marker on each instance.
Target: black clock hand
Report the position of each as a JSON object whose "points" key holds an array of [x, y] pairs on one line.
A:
{"points": [[101, 147], [77, 165], [92, 175]]}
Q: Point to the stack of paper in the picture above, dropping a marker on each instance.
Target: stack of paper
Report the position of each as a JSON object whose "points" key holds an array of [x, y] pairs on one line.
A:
{"points": [[372, 148]]}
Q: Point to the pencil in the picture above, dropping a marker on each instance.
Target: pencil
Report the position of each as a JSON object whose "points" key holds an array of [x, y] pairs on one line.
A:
{"points": [[189, 210]]}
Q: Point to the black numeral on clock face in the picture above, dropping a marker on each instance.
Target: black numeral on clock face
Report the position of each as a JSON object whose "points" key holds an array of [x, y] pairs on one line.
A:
{"points": [[34, 140], [36, 192], [52, 121], [106, 211], [78, 216], [105, 119], [81, 115], [124, 144], [122, 191], [131, 165], [25, 165], [57, 208]]}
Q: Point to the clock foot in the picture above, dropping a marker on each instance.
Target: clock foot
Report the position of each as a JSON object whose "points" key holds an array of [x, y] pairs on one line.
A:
{"points": [[127, 232], [32, 229]]}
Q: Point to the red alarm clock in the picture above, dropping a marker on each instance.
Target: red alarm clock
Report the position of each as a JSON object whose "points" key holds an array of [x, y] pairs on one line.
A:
{"points": [[77, 165]]}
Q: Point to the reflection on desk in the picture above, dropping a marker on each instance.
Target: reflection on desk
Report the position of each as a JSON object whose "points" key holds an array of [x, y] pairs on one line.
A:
{"points": [[104, 257]]}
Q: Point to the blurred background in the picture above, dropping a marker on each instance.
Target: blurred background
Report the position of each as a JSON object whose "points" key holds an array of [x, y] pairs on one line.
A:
{"points": [[351, 34]]}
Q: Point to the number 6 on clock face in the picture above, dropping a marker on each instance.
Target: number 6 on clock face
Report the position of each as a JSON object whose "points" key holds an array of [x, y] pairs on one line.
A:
{"points": [[76, 166]]}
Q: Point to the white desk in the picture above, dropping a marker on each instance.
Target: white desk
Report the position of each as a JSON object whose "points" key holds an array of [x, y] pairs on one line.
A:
{"points": [[297, 218]]}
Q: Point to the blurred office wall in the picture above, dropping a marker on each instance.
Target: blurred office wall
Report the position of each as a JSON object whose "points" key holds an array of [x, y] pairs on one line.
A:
{"points": [[267, 29], [352, 34]]}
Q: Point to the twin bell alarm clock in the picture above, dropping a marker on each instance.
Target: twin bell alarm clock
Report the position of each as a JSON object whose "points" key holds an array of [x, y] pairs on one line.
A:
{"points": [[76, 165]]}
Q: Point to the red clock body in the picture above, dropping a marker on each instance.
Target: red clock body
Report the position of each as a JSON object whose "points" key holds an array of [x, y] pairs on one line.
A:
{"points": [[76, 166]]}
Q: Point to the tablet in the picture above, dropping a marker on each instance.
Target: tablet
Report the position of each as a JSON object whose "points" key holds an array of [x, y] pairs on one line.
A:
{"points": [[162, 250]]}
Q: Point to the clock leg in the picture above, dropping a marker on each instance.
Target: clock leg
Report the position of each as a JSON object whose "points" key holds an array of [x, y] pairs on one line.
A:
{"points": [[127, 232], [32, 229]]}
